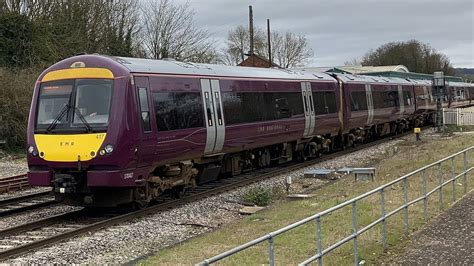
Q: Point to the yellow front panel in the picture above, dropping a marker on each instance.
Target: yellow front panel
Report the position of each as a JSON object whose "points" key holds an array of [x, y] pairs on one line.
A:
{"points": [[78, 73], [69, 148]]}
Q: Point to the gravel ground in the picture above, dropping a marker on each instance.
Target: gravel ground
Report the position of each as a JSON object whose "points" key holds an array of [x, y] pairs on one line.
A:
{"points": [[10, 166], [18, 193], [139, 238], [448, 240], [30, 216]]}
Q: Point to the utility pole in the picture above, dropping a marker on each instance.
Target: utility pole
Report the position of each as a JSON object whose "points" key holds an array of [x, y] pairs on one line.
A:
{"points": [[438, 87], [251, 30], [269, 44]]}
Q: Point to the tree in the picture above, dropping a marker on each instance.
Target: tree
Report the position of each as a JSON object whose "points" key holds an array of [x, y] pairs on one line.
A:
{"points": [[288, 49], [169, 31], [49, 30], [416, 56], [238, 44]]}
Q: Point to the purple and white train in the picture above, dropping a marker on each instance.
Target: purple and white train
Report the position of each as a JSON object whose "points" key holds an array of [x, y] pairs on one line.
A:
{"points": [[107, 131]]}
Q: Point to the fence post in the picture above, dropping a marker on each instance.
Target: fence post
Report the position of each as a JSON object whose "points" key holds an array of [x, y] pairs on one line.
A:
{"points": [[458, 116], [384, 223], [318, 240], [465, 174], [425, 199], [442, 112], [405, 196], [453, 172], [440, 181], [271, 255], [354, 230]]}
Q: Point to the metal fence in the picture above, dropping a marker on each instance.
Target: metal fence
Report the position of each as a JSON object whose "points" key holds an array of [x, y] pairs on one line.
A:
{"points": [[320, 252], [458, 116]]}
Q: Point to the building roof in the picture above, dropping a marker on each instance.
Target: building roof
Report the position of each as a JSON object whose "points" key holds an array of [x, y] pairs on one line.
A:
{"points": [[257, 61]]}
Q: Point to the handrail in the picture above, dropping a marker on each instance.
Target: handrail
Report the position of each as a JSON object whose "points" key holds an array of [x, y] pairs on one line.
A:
{"points": [[356, 232]]}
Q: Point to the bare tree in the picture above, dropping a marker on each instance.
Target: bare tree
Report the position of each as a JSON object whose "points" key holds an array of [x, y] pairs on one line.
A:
{"points": [[288, 49], [169, 31], [291, 50], [352, 62], [238, 44]]}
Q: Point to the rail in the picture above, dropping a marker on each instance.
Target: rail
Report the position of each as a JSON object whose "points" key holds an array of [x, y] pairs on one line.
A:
{"points": [[14, 182], [356, 231]]}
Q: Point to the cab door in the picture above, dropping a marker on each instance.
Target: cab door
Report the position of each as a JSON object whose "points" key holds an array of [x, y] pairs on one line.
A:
{"points": [[309, 114], [215, 124], [148, 138]]}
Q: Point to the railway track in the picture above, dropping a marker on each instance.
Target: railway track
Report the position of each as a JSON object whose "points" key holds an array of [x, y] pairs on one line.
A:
{"points": [[25, 203], [16, 182], [24, 238]]}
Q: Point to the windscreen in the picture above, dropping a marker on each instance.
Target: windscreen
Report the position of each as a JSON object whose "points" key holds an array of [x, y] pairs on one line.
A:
{"points": [[92, 101], [74, 104]]}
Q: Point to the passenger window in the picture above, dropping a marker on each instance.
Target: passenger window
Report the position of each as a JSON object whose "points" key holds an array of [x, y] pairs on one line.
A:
{"points": [[358, 101], [407, 98], [144, 109], [179, 110], [324, 102], [247, 107]]}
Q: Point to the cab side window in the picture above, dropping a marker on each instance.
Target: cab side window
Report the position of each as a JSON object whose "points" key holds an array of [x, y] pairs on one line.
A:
{"points": [[144, 109]]}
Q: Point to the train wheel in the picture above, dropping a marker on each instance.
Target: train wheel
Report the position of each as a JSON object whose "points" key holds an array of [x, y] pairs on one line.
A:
{"points": [[179, 192], [301, 156], [140, 198]]}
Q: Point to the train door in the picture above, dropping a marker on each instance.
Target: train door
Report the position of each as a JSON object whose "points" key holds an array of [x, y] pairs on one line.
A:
{"points": [[309, 114], [370, 104], [401, 101], [214, 115], [146, 147]]}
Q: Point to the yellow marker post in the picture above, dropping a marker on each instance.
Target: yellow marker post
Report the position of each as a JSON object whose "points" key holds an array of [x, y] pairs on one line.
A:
{"points": [[417, 131]]}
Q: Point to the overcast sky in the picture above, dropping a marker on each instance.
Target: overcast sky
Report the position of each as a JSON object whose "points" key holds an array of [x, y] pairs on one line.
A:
{"points": [[338, 31]]}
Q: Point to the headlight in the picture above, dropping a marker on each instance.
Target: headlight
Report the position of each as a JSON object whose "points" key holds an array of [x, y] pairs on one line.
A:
{"points": [[31, 149], [109, 148]]}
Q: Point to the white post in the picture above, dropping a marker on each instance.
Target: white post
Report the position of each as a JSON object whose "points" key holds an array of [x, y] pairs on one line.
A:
{"points": [[458, 117]]}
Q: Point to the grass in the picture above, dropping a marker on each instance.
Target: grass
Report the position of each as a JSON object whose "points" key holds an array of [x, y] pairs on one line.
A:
{"points": [[300, 243], [454, 128]]}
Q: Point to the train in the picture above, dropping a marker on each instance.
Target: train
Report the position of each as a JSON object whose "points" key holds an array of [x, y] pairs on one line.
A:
{"points": [[109, 131]]}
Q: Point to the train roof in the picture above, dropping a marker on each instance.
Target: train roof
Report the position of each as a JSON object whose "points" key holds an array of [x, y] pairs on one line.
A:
{"points": [[351, 78], [422, 82], [172, 67], [458, 84]]}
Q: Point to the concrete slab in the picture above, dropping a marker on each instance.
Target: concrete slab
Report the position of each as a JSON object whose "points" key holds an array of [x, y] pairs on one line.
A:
{"points": [[300, 196], [250, 210]]}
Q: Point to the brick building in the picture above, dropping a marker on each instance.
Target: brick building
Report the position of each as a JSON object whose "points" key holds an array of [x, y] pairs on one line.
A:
{"points": [[257, 61]]}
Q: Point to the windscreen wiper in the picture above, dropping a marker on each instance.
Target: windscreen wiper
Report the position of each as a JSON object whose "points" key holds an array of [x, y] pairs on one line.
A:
{"points": [[58, 118], [84, 121]]}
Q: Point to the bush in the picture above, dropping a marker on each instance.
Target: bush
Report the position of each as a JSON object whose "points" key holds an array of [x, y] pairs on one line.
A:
{"points": [[259, 196], [16, 89]]}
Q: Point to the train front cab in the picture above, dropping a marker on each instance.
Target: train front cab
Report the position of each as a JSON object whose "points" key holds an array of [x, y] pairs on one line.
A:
{"points": [[80, 132]]}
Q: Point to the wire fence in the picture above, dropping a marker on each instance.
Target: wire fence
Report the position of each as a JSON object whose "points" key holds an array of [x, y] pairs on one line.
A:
{"points": [[434, 179]]}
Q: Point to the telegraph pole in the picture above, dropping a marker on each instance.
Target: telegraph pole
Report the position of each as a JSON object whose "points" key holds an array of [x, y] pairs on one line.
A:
{"points": [[251, 30], [269, 44], [438, 87]]}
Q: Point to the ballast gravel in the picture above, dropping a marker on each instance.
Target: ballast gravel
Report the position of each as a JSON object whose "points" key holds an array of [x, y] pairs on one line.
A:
{"points": [[139, 238], [12, 166]]}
